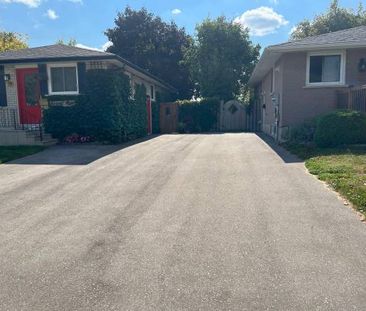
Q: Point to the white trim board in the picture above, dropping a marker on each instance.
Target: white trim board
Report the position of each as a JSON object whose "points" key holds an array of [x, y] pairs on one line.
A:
{"points": [[342, 81], [49, 82]]}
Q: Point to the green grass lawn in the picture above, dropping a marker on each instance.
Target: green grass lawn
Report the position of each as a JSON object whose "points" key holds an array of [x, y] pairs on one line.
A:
{"points": [[8, 153], [344, 169]]}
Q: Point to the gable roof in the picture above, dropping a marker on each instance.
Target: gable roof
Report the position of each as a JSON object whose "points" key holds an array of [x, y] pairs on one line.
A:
{"points": [[51, 52], [347, 39], [61, 52]]}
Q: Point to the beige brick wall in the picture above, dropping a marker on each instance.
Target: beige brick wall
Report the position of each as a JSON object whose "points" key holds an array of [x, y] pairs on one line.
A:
{"points": [[8, 117], [11, 87]]}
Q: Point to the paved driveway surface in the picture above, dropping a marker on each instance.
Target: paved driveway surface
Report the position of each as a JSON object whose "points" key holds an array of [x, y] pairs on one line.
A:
{"points": [[196, 222]]}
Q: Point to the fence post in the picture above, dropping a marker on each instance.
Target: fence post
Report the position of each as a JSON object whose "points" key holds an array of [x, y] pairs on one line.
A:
{"points": [[15, 119]]}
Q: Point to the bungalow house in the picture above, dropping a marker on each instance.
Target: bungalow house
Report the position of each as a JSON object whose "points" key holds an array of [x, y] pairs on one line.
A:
{"points": [[29, 76], [299, 80]]}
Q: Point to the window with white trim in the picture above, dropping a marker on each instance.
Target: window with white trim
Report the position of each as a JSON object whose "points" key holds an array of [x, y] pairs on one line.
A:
{"points": [[326, 69], [63, 79]]}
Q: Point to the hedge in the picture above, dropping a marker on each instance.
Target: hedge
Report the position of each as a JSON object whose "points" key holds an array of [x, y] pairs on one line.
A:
{"points": [[61, 121], [303, 133], [105, 112], [341, 128], [198, 116]]}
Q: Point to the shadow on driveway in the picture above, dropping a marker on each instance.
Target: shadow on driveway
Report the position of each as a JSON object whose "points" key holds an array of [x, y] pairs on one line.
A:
{"points": [[286, 156], [75, 154], [88, 153]]}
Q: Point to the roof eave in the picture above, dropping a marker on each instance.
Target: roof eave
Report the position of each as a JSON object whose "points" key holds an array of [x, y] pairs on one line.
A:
{"points": [[262, 68], [256, 77], [54, 59], [132, 65], [324, 46]]}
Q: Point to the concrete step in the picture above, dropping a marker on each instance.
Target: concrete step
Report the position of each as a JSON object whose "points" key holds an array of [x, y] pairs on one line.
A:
{"points": [[47, 139], [44, 137], [49, 142]]}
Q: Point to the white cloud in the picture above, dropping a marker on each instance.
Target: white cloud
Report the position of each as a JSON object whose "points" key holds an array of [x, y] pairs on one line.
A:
{"points": [[30, 3], [51, 14], [106, 45], [261, 21], [176, 11]]}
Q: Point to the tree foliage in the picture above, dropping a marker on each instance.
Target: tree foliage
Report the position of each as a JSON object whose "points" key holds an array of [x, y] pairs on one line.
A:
{"points": [[198, 116], [71, 42], [222, 58], [154, 45], [334, 19], [11, 41]]}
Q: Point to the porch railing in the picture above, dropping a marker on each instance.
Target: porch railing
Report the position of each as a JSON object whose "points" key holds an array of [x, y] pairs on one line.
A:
{"points": [[353, 98], [9, 120]]}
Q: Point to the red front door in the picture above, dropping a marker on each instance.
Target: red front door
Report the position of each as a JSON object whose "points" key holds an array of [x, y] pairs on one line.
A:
{"points": [[29, 96]]}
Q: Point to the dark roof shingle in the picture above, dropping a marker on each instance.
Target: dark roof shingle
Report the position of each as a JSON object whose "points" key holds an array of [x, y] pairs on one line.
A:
{"points": [[49, 52], [352, 35]]}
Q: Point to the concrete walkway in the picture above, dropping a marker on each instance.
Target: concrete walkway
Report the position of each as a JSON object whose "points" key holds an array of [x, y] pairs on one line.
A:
{"points": [[178, 222]]}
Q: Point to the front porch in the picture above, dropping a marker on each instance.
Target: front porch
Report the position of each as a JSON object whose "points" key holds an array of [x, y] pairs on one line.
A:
{"points": [[13, 132]]}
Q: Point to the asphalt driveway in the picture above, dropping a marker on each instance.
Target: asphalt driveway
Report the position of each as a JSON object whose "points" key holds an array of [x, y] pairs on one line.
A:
{"points": [[195, 222]]}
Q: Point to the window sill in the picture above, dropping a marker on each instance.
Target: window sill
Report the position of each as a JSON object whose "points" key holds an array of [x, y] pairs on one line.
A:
{"points": [[324, 86], [63, 93]]}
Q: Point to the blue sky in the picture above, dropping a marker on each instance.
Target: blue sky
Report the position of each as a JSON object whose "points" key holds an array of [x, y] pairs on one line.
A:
{"points": [[45, 21]]}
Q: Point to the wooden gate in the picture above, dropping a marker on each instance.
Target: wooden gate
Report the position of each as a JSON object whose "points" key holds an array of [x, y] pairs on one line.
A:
{"points": [[232, 116], [168, 118]]}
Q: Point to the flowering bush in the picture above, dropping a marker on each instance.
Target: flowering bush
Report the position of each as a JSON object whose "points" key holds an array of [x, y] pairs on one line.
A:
{"points": [[76, 138]]}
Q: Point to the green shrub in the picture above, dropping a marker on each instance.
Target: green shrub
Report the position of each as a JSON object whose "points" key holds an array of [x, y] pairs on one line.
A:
{"points": [[61, 121], [303, 133], [135, 118], [198, 116], [106, 112], [341, 128], [103, 109]]}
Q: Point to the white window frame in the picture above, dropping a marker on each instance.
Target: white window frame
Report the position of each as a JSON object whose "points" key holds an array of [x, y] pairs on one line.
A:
{"points": [[58, 65], [327, 53]]}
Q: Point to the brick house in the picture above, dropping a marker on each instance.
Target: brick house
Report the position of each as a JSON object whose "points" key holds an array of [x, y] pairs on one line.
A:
{"points": [[28, 77], [299, 80]]}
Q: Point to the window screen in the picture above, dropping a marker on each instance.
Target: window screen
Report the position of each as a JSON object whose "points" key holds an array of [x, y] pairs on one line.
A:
{"points": [[63, 79], [325, 69]]}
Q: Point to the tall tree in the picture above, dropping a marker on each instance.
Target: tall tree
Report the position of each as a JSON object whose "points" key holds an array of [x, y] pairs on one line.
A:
{"points": [[222, 58], [11, 41], [154, 45], [334, 19]]}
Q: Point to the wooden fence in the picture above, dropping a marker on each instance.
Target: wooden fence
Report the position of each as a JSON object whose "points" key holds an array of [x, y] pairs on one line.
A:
{"points": [[352, 98]]}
